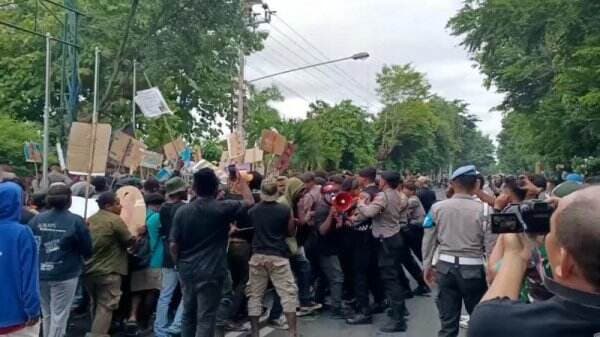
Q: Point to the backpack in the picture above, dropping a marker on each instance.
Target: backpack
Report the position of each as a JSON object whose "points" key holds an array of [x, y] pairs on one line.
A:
{"points": [[140, 253]]}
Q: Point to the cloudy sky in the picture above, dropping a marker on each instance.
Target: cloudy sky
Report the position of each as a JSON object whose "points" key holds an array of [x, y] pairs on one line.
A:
{"points": [[392, 31]]}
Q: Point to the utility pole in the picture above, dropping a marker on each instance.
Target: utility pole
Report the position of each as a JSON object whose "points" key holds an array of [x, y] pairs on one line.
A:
{"points": [[133, 97], [241, 95], [46, 113], [253, 23]]}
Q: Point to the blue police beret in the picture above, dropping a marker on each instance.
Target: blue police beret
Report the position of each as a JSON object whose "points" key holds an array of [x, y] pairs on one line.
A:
{"points": [[468, 170]]}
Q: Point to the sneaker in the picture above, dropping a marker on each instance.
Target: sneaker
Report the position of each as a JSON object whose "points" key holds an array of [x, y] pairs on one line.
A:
{"points": [[464, 321], [235, 326], [311, 306], [278, 324]]}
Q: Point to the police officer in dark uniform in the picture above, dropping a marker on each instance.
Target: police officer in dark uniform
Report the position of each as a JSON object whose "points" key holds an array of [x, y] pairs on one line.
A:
{"points": [[460, 233]]}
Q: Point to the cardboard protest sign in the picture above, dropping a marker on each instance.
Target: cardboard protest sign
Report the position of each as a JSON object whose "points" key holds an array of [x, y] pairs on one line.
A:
{"points": [[235, 146], [126, 150], [133, 208], [254, 155], [286, 158], [272, 142], [174, 148], [151, 160], [78, 152], [32, 152], [152, 103]]}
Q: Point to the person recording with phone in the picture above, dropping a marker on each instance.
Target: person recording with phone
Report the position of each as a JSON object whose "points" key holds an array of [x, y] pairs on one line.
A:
{"points": [[573, 245]]}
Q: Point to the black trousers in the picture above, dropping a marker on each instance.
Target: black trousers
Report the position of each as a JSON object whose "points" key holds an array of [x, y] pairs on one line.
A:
{"points": [[457, 283], [414, 240], [365, 269], [200, 303], [409, 262], [238, 257], [390, 254]]}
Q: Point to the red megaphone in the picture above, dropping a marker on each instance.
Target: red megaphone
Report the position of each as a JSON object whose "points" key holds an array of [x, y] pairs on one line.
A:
{"points": [[343, 202]]}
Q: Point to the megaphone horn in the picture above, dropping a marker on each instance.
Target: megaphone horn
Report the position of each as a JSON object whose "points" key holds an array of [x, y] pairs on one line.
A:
{"points": [[343, 202]]}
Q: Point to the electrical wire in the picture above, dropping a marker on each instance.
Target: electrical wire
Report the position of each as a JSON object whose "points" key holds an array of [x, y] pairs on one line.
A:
{"points": [[334, 67], [321, 58], [262, 72], [326, 76]]}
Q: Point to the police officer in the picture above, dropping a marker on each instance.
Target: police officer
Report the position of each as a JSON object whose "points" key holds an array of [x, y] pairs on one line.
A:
{"points": [[388, 210], [460, 233]]}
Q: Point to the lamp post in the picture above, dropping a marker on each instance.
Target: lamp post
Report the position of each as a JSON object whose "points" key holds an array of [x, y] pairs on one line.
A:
{"points": [[357, 56]]}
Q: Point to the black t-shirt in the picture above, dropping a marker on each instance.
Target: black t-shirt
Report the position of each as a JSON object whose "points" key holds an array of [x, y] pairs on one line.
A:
{"points": [[200, 229], [166, 213], [329, 244], [270, 220], [427, 197], [243, 221], [555, 317]]}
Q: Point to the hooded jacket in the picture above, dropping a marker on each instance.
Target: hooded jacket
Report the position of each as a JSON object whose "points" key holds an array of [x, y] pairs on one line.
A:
{"points": [[291, 196], [19, 266]]}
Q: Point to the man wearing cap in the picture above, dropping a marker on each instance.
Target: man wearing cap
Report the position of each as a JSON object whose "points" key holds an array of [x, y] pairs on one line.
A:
{"points": [[273, 223], [462, 238], [176, 192], [388, 210]]}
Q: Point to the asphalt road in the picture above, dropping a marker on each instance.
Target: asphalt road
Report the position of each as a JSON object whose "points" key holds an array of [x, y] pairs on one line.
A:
{"points": [[423, 322]]}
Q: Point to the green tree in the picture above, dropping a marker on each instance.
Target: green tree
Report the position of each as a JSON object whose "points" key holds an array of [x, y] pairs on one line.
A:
{"points": [[544, 56], [12, 139], [261, 115], [333, 137], [188, 49]]}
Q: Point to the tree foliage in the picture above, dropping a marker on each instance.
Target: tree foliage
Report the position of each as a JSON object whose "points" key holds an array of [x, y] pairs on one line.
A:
{"points": [[12, 138], [187, 48], [545, 57], [422, 132]]}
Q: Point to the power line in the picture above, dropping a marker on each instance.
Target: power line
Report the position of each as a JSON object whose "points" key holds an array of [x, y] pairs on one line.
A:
{"points": [[325, 75], [338, 69], [257, 69], [313, 81]]}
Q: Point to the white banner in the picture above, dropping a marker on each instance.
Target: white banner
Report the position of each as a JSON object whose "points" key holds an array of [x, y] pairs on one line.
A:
{"points": [[152, 103]]}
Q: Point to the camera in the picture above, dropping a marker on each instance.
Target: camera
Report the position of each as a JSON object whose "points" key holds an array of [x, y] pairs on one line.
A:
{"points": [[531, 216]]}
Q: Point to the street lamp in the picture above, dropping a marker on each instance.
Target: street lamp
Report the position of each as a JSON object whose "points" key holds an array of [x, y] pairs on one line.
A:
{"points": [[357, 56]]}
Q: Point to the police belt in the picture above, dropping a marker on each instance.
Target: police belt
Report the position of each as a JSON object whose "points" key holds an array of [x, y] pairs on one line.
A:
{"points": [[465, 261]]}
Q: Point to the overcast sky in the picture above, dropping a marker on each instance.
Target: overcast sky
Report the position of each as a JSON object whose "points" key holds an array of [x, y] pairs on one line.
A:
{"points": [[392, 31]]}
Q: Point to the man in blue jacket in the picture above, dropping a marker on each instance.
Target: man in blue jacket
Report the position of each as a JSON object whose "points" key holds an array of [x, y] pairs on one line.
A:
{"points": [[19, 269]]}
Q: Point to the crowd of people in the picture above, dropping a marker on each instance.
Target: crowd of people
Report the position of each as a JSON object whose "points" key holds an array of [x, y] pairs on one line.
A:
{"points": [[213, 256]]}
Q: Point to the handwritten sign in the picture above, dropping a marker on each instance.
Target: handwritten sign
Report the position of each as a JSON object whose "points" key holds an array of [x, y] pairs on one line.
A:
{"points": [[152, 103]]}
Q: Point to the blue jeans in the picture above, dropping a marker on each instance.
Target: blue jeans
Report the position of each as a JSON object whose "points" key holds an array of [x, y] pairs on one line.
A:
{"points": [[162, 328], [302, 271]]}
